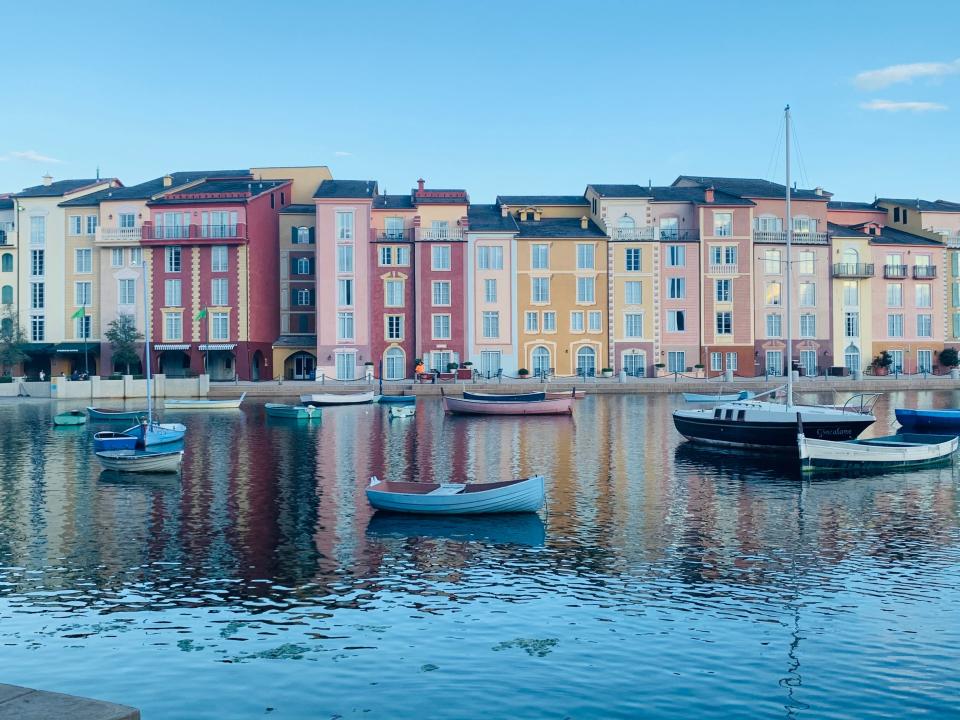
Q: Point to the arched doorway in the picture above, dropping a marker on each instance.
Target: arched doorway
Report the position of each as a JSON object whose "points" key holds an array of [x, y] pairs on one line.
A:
{"points": [[851, 358], [540, 361], [300, 366], [851, 256], [256, 365], [135, 367], [586, 361], [174, 363], [394, 364], [222, 365]]}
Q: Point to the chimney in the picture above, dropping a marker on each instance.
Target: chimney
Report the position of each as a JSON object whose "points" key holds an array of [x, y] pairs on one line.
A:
{"points": [[48, 179], [420, 185], [583, 222], [818, 190], [708, 194], [167, 180]]}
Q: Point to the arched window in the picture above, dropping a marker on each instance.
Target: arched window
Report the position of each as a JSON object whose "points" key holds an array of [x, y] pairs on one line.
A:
{"points": [[7, 262], [851, 256], [6, 295], [393, 364], [586, 361], [851, 357], [541, 361], [7, 327]]}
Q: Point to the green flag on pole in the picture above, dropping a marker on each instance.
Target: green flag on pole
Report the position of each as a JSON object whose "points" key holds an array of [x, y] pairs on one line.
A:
{"points": [[78, 314], [201, 315]]}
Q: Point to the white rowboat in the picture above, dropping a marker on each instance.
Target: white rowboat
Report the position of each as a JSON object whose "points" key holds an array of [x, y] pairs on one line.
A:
{"points": [[894, 451], [403, 411], [140, 462], [201, 404], [338, 398], [524, 495]]}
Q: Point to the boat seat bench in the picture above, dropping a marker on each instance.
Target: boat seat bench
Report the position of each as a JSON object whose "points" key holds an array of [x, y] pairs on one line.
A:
{"points": [[448, 489]]}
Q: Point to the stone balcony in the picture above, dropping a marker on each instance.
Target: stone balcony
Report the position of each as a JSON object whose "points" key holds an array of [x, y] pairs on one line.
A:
{"points": [[118, 235]]}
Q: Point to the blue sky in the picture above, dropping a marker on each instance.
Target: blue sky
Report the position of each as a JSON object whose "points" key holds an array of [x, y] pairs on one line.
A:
{"points": [[496, 97]]}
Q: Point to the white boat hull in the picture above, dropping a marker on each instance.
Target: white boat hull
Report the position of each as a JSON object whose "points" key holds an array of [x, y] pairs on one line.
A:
{"points": [[338, 398], [402, 411], [522, 496], [877, 453], [200, 404], [140, 462], [158, 433]]}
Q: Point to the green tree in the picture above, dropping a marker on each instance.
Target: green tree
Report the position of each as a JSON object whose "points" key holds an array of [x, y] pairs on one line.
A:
{"points": [[123, 337], [883, 361], [949, 358], [13, 340]]}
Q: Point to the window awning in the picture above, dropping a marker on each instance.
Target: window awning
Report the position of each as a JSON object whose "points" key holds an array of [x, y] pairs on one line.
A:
{"points": [[39, 349], [92, 346], [169, 346], [222, 346]]}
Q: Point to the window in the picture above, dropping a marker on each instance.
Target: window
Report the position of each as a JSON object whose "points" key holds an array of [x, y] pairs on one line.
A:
{"points": [[37, 258], [346, 365], [136, 257], [803, 225], [722, 224], [724, 323], [220, 326], [576, 321], [6, 295], [676, 321], [36, 328], [491, 324], [116, 257], [633, 292], [344, 326], [37, 296], [585, 290], [732, 361], [489, 362], [75, 224], [8, 262], [394, 327], [439, 230], [531, 322], [633, 259], [173, 326], [344, 225], [722, 290], [894, 295], [393, 368], [924, 326], [955, 293], [851, 358], [490, 257], [669, 228], [218, 224], [38, 230], [774, 325], [923, 295], [896, 214], [851, 293], [595, 321], [393, 228], [490, 290], [955, 264], [302, 235], [540, 288], [956, 325], [586, 362], [386, 255], [774, 362], [677, 288], [301, 266], [440, 257], [441, 292], [585, 257], [345, 292], [83, 260], [772, 294], [393, 294], [851, 324], [768, 224], [126, 220], [633, 325], [83, 293], [403, 256], [771, 262], [549, 321], [904, 216], [91, 224], [730, 254], [172, 296], [540, 361], [924, 357], [345, 258], [808, 362], [634, 364], [218, 258], [81, 326], [676, 256], [806, 262], [171, 257], [808, 325], [540, 257], [218, 292], [676, 361], [303, 297], [808, 294], [895, 325], [441, 328], [439, 359], [716, 361]]}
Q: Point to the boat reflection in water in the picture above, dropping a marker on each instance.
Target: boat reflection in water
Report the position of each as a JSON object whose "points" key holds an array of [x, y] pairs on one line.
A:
{"points": [[510, 529]]}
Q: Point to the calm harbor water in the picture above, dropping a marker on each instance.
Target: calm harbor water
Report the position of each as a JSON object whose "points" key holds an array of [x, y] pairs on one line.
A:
{"points": [[663, 581]]}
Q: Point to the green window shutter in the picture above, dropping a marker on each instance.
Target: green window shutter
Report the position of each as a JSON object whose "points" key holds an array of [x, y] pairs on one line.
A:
{"points": [[294, 234], [956, 293], [956, 325], [313, 266], [313, 236]]}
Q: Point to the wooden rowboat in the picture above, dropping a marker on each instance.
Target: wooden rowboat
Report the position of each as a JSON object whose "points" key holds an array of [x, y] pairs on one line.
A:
{"points": [[402, 411], [525, 495], [505, 397], [142, 462], [908, 450], [96, 413], [71, 417], [108, 440], [460, 406], [203, 404], [338, 398], [928, 419], [293, 412]]}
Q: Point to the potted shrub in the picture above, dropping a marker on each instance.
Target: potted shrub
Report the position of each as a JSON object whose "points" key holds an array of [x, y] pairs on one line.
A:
{"points": [[607, 372], [6, 379], [699, 369], [950, 359], [523, 373], [882, 362], [451, 366]]}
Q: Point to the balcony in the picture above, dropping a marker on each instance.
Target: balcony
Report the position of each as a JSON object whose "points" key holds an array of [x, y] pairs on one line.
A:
{"points": [[853, 270], [200, 234], [4, 240], [895, 272], [924, 272], [799, 237], [439, 234], [952, 239], [379, 235], [673, 234], [724, 269], [119, 235], [634, 234]]}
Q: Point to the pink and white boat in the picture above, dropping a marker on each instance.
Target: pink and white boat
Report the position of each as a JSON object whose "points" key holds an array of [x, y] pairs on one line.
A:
{"points": [[460, 406]]}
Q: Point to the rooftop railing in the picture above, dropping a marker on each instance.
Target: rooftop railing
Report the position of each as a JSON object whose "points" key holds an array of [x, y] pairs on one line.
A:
{"points": [[800, 237], [118, 234]]}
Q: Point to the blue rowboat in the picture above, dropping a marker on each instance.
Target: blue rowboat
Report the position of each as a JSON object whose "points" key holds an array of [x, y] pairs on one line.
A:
{"points": [[526, 495], [71, 417], [398, 399], [928, 419], [111, 414], [108, 440], [292, 412], [729, 397]]}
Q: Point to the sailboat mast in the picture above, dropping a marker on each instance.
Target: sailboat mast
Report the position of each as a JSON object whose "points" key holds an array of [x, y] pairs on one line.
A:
{"points": [[146, 346], [789, 266]]}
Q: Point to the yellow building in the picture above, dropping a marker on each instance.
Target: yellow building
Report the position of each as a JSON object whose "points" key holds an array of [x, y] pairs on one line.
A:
{"points": [[852, 271]]}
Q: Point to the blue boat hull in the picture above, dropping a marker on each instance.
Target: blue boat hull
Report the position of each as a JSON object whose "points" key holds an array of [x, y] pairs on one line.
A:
{"points": [[929, 419], [398, 399], [113, 441]]}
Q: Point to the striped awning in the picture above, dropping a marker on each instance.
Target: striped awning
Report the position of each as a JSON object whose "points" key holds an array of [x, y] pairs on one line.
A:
{"points": [[222, 346], [169, 346]]}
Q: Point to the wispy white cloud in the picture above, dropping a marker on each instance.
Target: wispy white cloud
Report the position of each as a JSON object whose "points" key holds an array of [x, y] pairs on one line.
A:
{"points": [[33, 156], [909, 106], [342, 153], [893, 74]]}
